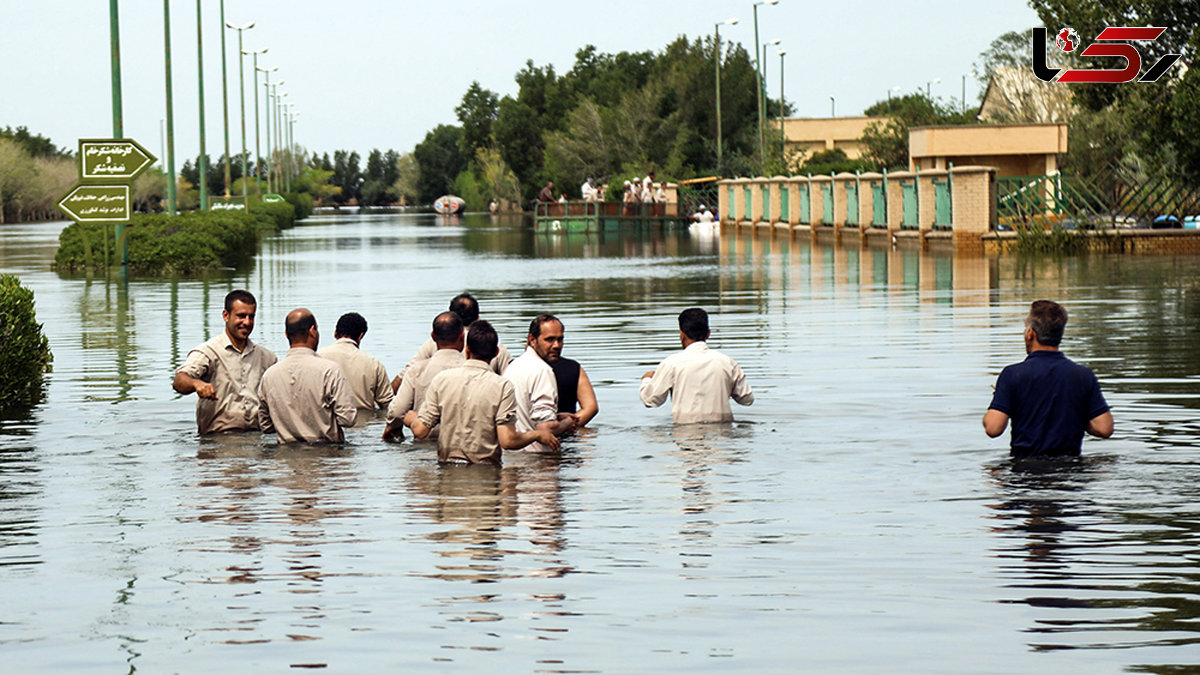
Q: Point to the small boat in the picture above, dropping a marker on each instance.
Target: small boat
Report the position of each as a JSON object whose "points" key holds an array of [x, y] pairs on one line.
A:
{"points": [[449, 205]]}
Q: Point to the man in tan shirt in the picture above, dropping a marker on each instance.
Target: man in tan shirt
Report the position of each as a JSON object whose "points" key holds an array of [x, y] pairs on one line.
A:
{"points": [[475, 407], [224, 372], [304, 397], [448, 335], [699, 380], [368, 380], [467, 309]]}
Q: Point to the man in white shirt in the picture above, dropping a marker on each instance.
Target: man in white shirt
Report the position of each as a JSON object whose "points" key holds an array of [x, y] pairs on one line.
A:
{"points": [[588, 191], [368, 380], [534, 385], [699, 380]]}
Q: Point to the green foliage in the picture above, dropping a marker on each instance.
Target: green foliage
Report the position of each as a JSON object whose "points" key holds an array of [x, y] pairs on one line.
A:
{"points": [[466, 185], [1055, 240], [887, 143], [189, 243], [476, 113], [834, 161], [273, 216], [26, 355], [35, 145], [440, 159], [31, 185], [302, 205]]}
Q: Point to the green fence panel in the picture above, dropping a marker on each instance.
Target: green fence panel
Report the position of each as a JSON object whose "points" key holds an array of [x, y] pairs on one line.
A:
{"points": [[941, 204], [732, 205], [878, 205], [908, 195], [766, 197], [748, 210], [785, 212], [805, 212], [852, 203], [827, 204]]}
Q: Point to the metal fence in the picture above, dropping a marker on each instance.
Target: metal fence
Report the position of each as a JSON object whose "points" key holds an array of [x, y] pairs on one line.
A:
{"points": [[1107, 199]]}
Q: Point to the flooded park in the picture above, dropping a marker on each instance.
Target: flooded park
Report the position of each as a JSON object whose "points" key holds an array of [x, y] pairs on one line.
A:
{"points": [[856, 518]]}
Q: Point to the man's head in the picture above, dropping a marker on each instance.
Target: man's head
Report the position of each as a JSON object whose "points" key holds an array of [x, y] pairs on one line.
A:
{"points": [[447, 331], [240, 307], [1045, 322], [301, 329], [350, 325], [482, 342], [546, 337], [693, 323], [466, 307]]}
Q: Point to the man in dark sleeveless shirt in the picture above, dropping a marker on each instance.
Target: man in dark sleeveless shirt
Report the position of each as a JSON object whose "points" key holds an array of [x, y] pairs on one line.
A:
{"points": [[575, 393]]}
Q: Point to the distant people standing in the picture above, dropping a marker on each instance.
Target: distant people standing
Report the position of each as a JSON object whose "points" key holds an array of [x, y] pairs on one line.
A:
{"points": [[533, 380], [304, 397], [660, 194], [367, 377], [588, 191], [699, 380], [475, 407], [547, 193], [448, 335], [647, 192], [1050, 399], [224, 372], [467, 309], [630, 199], [703, 215]]}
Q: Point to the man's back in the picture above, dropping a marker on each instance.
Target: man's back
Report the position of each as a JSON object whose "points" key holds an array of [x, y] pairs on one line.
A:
{"points": [[305, 398], [1050, 399], [416, 383], [468, 402], [366, 376], [700, 382]]}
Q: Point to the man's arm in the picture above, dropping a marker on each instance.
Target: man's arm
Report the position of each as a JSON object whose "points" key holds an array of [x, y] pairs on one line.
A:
{"points": [[396, 411], [655, 386], [994, 422], [420, 429], [588, 405], [186, 384], [383, 387], [264, 412], [741, 391], [344, 410], [511, 439], [1101, 426]]}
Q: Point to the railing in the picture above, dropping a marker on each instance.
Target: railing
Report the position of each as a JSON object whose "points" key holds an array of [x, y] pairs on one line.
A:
{"points": [[1105, 199]]}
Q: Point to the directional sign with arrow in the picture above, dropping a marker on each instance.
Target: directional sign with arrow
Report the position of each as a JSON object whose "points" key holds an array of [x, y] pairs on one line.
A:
{"points": [[112, 159], [97, 203]]}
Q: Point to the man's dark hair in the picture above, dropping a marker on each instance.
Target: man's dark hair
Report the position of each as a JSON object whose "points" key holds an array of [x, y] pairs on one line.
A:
{"points": [[447, 327], [535, 326], [351, 325], [483, 341], [1047, 319], [296, 330], [239, 296], [466, 307], [694, 323]]}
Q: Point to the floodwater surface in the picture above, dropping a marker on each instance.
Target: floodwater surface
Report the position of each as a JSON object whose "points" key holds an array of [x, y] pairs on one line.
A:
{"points": [[855, 518]]}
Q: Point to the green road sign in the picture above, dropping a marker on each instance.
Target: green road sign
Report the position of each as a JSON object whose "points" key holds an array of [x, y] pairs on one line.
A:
{"points": [[97, 203], [271, 197], [237, 203], [112, 159]]}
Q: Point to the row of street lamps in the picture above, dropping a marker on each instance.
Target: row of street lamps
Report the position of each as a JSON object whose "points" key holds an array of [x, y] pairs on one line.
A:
{"points": [[276, 107], [760, 72]]}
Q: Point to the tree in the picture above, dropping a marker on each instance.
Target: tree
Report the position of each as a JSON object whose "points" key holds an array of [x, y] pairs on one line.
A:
{"points": [[887, 142], [440, 159], [407, 178], [476, 113]]}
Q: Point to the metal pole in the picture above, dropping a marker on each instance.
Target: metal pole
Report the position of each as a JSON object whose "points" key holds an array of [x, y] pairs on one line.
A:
{"points": [[257, 126], [267, 103], [225, 102], [202, 161], [171, 203], [114, 29], [242, 95], [758, 83], [717, 61], [782, 148]]}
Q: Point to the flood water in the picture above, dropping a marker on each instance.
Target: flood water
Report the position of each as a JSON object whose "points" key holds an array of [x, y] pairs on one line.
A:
{"points": [[855, 518]]}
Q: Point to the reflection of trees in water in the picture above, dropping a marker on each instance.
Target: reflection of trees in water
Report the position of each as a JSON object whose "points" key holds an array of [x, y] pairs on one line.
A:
{"points": [[486, 508], [20, 491], [1100, 571]]}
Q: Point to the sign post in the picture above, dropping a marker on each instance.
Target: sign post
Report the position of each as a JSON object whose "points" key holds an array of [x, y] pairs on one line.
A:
{"points": [[107, 166]]}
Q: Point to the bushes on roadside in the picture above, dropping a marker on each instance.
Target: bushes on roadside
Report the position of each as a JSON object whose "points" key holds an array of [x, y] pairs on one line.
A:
{"points": [[273, 216], [26, 355], [302, 202]]}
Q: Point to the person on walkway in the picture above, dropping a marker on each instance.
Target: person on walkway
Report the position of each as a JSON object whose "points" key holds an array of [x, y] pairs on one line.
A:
{"points": [[1050, 399], [534, 384], [699, 380], [224, 372], [467, 309], [475, 408], [703, 215], [367, 377], [304, 397], [575, 393], [588, 191], [547, 193], [448, 335]]}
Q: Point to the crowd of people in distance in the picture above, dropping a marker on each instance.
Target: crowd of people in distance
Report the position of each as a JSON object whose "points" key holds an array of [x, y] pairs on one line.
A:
{"points": [[462, 387]]}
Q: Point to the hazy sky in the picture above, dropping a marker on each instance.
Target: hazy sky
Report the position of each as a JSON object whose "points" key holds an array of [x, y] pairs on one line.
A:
{"points": [[381, 73]]}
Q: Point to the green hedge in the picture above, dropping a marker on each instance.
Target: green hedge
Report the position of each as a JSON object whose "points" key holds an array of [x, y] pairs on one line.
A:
{"points": [[184, 244], [302, 202], [25, 356]]}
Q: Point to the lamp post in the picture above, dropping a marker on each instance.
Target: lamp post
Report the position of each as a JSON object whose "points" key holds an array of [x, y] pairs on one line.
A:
{"points": [[285, 143], [277, 156], [928, 87], [717, 61], [782, 154], [267, 96], [759, 76], [832, 107], [762, 96], [114, 29], [257, 125], [241, 92], [171, 205], [202, 160]]}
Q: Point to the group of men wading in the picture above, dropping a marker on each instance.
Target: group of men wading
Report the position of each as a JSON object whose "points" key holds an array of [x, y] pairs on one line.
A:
{"points": [[465, 389]]}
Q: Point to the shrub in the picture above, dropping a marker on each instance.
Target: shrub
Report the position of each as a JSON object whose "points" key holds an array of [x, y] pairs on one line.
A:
{"points": [[302, 202], [273, 216], [26, 356]]}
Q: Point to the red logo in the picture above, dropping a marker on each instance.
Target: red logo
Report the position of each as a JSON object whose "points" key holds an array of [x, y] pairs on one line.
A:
{"points": [[1110, 42]]}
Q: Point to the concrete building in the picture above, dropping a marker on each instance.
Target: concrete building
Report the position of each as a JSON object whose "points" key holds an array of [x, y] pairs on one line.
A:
{"points": [[1014, 149], [814, 135]]}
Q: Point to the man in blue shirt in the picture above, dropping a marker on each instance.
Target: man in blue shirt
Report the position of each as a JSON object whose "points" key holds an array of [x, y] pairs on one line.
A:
{"points": [[1050, 399]]}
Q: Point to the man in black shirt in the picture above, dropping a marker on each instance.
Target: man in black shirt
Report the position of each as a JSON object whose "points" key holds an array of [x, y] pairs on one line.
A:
{"points": [[1050, 399]]}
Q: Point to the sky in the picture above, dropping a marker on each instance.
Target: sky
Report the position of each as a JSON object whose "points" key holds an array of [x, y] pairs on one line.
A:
{"points": [[366, 74]]}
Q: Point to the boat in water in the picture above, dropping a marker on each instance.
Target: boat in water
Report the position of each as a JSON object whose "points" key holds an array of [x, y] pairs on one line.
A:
{"points": [[449, 205]]}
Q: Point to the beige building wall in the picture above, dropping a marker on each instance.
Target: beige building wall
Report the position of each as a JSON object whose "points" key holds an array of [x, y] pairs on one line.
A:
{"points": [[814, 135], [1014, 149]]}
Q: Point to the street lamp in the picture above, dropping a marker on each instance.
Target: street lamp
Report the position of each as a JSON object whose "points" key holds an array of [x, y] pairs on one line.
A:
{"points": [[928, 87], [277, 157], [202, 160], [267, 102], [171, 204], [759, 77], [257, 126], [762, 96], [895, 89], [832, 107], [717, 61], [242, 92], [782, 154]]}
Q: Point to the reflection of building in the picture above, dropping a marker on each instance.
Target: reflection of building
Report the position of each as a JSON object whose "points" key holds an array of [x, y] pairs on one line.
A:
{"points": [[813, 135], [1014, 149]]}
